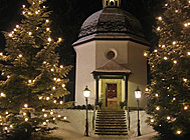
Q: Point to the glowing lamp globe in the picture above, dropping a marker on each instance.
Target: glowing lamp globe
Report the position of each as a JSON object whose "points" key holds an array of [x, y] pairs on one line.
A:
{"points": [[138, 93], [86, 92]]}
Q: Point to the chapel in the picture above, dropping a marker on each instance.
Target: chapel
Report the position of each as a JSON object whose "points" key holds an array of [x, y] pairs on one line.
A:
{"points": [[109, 58]]}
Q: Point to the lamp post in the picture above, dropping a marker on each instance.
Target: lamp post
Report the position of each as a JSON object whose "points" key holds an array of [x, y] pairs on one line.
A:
{"points": [[86, 93], [138, 93]]}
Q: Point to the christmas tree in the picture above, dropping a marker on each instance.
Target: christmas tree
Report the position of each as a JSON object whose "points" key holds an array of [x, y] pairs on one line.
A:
{"points": [[169, 91], [32, 80]]}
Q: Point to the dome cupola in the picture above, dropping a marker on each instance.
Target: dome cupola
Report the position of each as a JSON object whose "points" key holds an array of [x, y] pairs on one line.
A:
{"points": [[111, 3]]}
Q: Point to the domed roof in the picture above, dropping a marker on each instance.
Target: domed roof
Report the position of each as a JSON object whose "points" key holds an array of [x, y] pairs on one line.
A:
{"points": [[111, 22]]}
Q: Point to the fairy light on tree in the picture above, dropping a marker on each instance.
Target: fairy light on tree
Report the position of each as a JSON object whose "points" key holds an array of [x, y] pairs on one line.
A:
{"points": [[170, 73], [29, 67]]}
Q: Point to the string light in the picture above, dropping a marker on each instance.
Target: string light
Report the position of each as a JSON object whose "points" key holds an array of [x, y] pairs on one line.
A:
{"points": [[160, 18], [47, 29], [54, 79], [29, 13], [174, 99], [146, 89], [44, 123], [49, 39], [152, 120], [3, 94], [47, 98], [55, 101], [158, 29], [179, 132], [24, 114], [26, 119], [29, 33], [174, 43], [155, 50], [65, 118], [157, 108], [184, 79], [43, 110], [54, 88], [45, 115], [63, 85], [11, 126], [156, 95], [163, 46], [51, 113], [168, 117], [40, 97], [52, 69], [176, 11], [58, 80], [61, 66], [145, 54], [59, 116], [185, 107], [17, 26], [188, 53], [166, 4], [6, 128], [61, 102], [6, 112], [165, 58], [8, 76], [60, 39], [47, 20], [10, 35], [20, 55], [23, 12], [26, 105], [23, 6], [1, 54], [175, 62]]}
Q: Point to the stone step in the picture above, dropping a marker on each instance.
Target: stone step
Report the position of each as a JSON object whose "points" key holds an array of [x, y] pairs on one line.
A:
{"points": [[111, 130], [111, 127], [111, 133]]}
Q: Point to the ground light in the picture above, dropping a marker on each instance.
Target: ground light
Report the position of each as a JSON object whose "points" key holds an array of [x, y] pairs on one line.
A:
{"points": [[86, 93], [138, 93]]}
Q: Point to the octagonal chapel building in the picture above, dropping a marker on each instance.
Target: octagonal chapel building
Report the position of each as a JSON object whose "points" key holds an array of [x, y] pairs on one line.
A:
{"points": [[109, 58]]}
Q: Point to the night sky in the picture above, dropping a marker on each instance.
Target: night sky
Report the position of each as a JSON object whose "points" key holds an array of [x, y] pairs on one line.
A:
{"points": [[68, 16]]}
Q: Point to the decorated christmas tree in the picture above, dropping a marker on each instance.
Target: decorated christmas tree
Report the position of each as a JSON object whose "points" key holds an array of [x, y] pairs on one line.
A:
{"points": [[33, 83], [169, 91]]}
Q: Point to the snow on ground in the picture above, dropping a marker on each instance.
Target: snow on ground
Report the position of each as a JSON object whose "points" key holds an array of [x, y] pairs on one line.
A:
{"points": [[74, 129]]}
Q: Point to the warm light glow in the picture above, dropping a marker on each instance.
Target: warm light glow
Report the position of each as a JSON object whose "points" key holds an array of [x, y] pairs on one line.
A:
{"points": [[185, 107], [165, 58], [163, 46], [44, 123], [17, 26], [47, 29], [26, 105], [58, 80], [174, 99], [24, 114], [49, 39], [174, 43], [30, 81], [20, 55], [160, 18], [3, 94], [43, 110], [146, 89], [11, 126], [145, 54], [175, 62], [178, 132], [47, 98], [185, 24], [156, 95], [176, 11], [6, 128], [51, 113], [155, 50], [152, 120], [55, 101], [52, 70], [8, 76], [54, 119], [188, 53], [63, 85], [10, 35], [61, 102], [184, 79], [47, 20], [26, 119], [23, 6], [65, 118], [45, 115], [29, 13], [23, 12], [61, 66], [158, 29], [166, 4], [36, 12], [157, 108], [54, 79], [29, 33], [168, 118], [59, 116], [40, 97], [60, 39], [1, 54], [54, 88]]}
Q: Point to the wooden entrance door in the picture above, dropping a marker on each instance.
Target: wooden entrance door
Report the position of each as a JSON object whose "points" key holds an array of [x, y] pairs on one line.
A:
{"points": [[111, 95]]}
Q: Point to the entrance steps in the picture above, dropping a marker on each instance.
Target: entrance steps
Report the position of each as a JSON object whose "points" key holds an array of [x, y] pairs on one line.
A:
{"points": [[110, 122]]}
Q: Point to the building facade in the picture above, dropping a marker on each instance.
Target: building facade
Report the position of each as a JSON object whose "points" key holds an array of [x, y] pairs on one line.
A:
{"points": [[109, 58]]}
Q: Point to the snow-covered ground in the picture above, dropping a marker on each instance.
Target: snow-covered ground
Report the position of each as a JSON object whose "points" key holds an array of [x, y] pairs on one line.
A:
{"points": [[74, 129]]}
